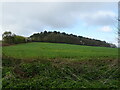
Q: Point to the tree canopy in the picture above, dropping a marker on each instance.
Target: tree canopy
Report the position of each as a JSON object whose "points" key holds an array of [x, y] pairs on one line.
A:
{"points": [[10, 38], [57, 37], [54, 37]]}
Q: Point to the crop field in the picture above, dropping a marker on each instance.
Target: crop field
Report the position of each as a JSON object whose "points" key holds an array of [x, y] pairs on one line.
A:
{"points": [[53, 65], [52, 50]]}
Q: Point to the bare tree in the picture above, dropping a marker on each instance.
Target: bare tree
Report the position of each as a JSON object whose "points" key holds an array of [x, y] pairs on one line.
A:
{"points": [[118, 24]]}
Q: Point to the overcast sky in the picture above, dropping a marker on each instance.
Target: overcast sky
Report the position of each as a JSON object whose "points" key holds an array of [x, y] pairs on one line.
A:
{"points": [[89, 19]]}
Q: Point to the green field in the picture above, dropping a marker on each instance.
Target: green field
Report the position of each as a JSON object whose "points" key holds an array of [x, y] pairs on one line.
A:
{"points": [[41, 65], [52, 50]]}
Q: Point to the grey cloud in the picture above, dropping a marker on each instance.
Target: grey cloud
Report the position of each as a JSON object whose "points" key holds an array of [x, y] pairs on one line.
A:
{"points": [[100, 18], [30, 17]]}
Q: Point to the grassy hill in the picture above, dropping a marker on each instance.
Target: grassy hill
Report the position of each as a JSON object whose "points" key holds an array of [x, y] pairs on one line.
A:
{"points": [[51, 65], [53, 50]]}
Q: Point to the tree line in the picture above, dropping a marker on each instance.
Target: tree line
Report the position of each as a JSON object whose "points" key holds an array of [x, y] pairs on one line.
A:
{"points": [[10, 38], [57, 37], [54, 37]]}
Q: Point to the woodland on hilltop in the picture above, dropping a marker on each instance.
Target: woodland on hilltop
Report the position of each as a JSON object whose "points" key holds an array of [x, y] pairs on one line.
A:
{"points": [[54, 37]]}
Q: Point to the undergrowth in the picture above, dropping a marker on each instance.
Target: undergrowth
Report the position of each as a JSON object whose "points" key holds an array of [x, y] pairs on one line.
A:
{"points": [[59, 73]]}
